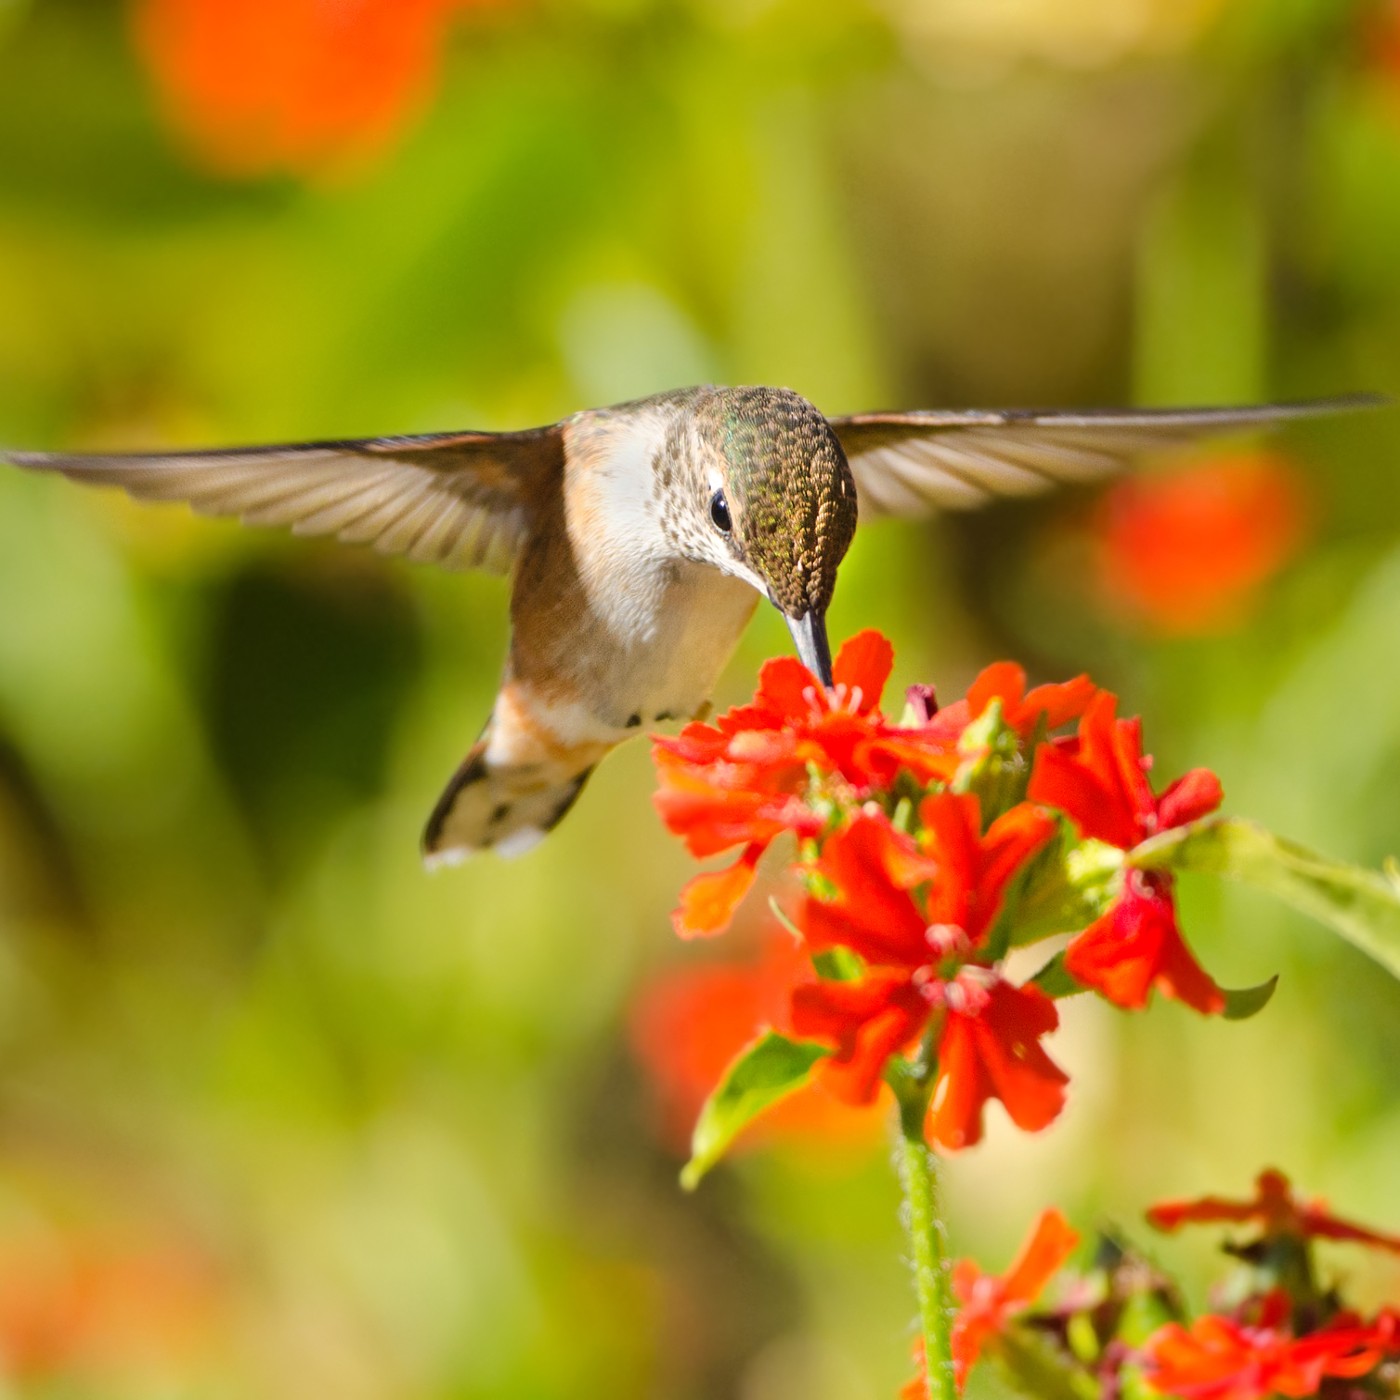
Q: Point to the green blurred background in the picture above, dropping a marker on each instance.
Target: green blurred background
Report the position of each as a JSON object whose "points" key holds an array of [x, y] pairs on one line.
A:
{"points": [[280, 1115]]}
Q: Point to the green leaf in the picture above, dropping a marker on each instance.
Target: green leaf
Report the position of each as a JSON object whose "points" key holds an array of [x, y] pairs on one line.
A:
{"points": [[1244, 1002], [766, 1071], [1361, 905]]}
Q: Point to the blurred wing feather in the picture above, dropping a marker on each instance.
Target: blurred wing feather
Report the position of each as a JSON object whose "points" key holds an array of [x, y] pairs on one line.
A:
{"points": [[461, 500], [917, 462]]}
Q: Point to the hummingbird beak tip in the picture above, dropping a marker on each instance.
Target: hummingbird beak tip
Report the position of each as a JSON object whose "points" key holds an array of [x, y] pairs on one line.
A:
{"points": [[809, 633]]}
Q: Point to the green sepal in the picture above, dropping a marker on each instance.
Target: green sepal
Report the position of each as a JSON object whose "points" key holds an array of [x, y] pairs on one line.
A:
{"points": [[1064, 888], [1055, 981], [1363, 906], [838, 965], [764, 1072], [1035, 1365], [1243, 1002], [993, 766]]}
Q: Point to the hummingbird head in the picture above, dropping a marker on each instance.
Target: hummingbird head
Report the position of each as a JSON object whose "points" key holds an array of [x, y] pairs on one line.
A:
{"points": [[776, 504]]}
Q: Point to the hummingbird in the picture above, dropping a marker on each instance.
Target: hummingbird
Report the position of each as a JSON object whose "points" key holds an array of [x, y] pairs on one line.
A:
{"points": [[639, 540]]}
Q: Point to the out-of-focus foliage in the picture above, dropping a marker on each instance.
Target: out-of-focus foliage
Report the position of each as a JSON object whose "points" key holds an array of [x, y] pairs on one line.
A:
{"points": [[279, 1114]]}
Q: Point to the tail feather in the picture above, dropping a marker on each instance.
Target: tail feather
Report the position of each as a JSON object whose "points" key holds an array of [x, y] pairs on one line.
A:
{"points": [[509, 809]]}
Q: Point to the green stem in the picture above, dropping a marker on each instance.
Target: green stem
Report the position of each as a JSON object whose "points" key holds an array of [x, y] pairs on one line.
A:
{"points": [[918, 1169]]}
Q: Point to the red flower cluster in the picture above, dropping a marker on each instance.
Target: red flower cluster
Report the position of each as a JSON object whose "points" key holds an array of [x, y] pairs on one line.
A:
{"points": [[921, 844], [298, 86], [1285, 1336], [1274, 1343]]}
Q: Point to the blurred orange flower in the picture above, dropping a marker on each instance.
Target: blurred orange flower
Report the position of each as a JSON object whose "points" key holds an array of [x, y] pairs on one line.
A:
{"points": [[82, 1303], [292, 86], [689, 1024], [1187, 552]]}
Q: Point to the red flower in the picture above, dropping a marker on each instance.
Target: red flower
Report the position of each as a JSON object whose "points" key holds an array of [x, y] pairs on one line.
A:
{"points": [[1219, 1358], [988, 1044], [690, 1023], [1188, 551], [988, 1302], [1022, 710], [875, 868], [1099, 779], [1275, 1209], [1137, 946], [745, 778], [298, 86]]}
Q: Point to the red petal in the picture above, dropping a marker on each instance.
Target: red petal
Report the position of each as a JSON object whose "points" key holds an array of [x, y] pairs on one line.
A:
{"points": [[1085, 793], [785, 689], [1051, 1241], [1137, 946], [864, 663], [1193, 795], [708, 901], [869, 1021], [869, 913], [996, 1054], [1058, 704], [1004, 681]]}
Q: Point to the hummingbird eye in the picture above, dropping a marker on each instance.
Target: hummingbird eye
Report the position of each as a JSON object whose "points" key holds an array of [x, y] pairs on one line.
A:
{"points": [[719, 513]]}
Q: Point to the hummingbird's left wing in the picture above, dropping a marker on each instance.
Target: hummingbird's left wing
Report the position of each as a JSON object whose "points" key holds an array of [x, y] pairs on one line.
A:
{"points": [[462, 500], [930, 459]]}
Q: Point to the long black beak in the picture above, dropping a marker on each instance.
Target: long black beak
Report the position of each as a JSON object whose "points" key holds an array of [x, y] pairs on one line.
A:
{"points": [[809, 632]]}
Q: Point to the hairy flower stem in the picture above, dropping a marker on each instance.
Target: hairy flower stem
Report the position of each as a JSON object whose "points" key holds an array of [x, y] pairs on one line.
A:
{"points": [[918, 1170]]}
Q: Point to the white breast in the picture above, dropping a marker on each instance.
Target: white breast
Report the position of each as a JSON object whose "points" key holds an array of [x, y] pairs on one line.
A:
{"points": [[672, 623]]}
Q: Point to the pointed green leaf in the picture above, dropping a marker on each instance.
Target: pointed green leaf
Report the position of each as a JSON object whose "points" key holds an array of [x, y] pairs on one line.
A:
{"points": [[1243, 1002], [768, 1070], [1361, 905]]}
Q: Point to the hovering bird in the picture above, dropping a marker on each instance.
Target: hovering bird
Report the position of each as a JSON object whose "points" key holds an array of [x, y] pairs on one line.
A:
{"points": [[640, 539]]}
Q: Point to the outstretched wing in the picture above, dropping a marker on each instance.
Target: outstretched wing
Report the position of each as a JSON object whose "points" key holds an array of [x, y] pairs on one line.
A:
{"points": [[462, 500], [913, 463]]}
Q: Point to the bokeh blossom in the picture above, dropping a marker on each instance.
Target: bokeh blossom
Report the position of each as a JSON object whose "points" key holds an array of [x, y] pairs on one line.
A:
{"points": [[1222, 1358], [688, 1023], [292, 86], [1276, 1210], [1188, 553]]}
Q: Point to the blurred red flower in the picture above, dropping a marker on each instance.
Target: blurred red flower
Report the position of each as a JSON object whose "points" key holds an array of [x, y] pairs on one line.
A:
{"points": [[1187, 552], [292, 86], [988, 1302], [688, 1025], [1099, 779], [85, 1303], [1275, 1209], [1220, 1358]]}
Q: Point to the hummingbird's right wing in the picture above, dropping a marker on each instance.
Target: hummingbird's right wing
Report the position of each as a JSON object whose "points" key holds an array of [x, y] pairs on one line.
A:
{"points": [[462, 500], [930, 459]]}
